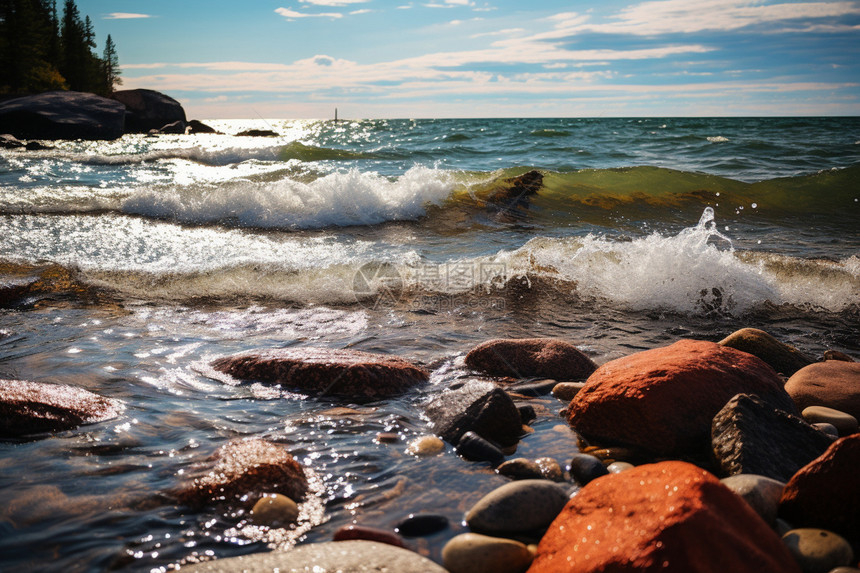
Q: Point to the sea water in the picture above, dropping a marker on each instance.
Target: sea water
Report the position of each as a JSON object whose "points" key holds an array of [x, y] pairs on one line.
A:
{"points": [[148, 257]]}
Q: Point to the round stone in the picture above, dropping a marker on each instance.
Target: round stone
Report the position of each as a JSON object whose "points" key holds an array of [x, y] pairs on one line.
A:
{"points": [[550, 469], [845, 423], [760, 492], [475, 553], [520, 468], [828, 429], [275, 510], [425, 446], [618, 467], [585, 467], [419, 525], [565, 391], [517, 507], [818, 550]]}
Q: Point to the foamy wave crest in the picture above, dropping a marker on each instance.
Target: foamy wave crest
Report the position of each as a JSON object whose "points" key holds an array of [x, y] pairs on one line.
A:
{"points": [[216, 157], [695, 271], [340, 199]]}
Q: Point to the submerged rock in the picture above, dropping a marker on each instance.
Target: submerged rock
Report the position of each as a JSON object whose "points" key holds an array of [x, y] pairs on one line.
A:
{"points": [[63, 115], [826, 492], [149, 109], [341, 556], [782, 357], [326, 371], [35, 407], [354, 532], [244, 468], [752, 437], [274, 510], [480, 407], [663, 400], [530, 357], [670, 516], [834, 384], [196, 126]]}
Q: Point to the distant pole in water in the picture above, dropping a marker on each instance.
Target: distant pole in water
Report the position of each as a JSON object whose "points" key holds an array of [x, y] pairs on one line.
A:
{"points": [[335, 115]]}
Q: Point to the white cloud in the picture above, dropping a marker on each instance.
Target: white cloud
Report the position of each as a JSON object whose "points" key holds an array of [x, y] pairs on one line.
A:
{"points": [[291, 14], [125, 16], [689, 16], [332, 3]]}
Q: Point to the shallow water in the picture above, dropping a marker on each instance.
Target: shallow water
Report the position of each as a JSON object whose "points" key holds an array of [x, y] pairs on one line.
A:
{"points": [[149, 257]]}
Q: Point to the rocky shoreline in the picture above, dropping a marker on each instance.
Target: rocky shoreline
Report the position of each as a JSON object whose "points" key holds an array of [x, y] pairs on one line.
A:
{"points": [[699, 456]]}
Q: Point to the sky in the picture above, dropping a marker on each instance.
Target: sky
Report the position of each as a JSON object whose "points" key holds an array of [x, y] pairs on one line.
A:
{"points": [[489, 58]]}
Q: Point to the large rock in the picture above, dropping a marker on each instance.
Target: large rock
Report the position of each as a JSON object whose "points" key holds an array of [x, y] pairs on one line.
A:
{"points": [[340, 556], [246, 469], [749, 436], [63, 115], [671, 516], [148, 109], [325, 371], [663, 400], [826, 492], [34, 407], [530, 357], [834, 384], [477, 406], [782, 357]]}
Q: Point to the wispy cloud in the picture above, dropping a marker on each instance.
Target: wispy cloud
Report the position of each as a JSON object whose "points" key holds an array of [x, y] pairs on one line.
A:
{"points": [[332, 3], [291, 14], [125, 16]]}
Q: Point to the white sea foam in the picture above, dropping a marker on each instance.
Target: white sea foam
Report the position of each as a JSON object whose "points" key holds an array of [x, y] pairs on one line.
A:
{"points": [[344, 198], [718, 139]]}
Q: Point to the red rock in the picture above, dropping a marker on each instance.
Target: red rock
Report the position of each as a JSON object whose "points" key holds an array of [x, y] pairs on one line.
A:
{"points": [[530, 357], [35, 407], [834, 384], [667, 517], [663, 400], [246, 467], [326, 371], [350, 532], [825, 493]]}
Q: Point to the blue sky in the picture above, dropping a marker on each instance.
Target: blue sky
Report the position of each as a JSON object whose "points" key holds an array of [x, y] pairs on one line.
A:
{"points": [[489, 58]]}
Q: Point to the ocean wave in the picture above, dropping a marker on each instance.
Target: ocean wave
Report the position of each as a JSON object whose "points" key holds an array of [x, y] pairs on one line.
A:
{"points": [[339, 199]]}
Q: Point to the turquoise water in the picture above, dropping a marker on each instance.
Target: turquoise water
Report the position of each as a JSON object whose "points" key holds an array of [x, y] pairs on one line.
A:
{"points": [[148, 257]]}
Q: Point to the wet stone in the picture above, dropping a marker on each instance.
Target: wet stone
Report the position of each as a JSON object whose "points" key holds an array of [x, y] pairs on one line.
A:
{"points": [[818, 550], [530, 357], [274, 510], [846, 424], [584, 468], [387, 438], [527, 413], [536, 388], [475, 448], [760, 492], [550, 469], [522, 506], [520, 468], [565, 391], [618, 467], [354, 532], [425, 446], [421, 524], [827, 428], [476, 553]]}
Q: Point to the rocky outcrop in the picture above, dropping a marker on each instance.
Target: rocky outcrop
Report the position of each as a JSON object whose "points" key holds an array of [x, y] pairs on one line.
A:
{"points": [[663, 400], [196, 126], [63, 115], [148, 109], [826, 492], [671, 516], [477, 406], [246, 469], [530, 357], [833, 384], [341, 556], [326, 371], [749, 436], [33, 407], [782, 357], [258, 133]]}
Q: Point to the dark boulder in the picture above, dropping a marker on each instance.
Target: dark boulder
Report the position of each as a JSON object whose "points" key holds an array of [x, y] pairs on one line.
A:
{"points": [[258, 133], [195, 126], [148, 109], [8, 141], [63, 115], [244, 469], [477, 406], [326, 371], [530, 357], [750, 436], [34, 407]]}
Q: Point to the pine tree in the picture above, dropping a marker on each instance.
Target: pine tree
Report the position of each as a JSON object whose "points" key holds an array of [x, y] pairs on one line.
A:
{"points": [[110, 66]]}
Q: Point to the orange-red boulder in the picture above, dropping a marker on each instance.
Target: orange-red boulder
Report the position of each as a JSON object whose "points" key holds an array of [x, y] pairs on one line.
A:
{"points": [[530, 357], [326, 371], [663, 400], [671, 517], [35, 407], [834, 384], [244, 468], [825, 493]]}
